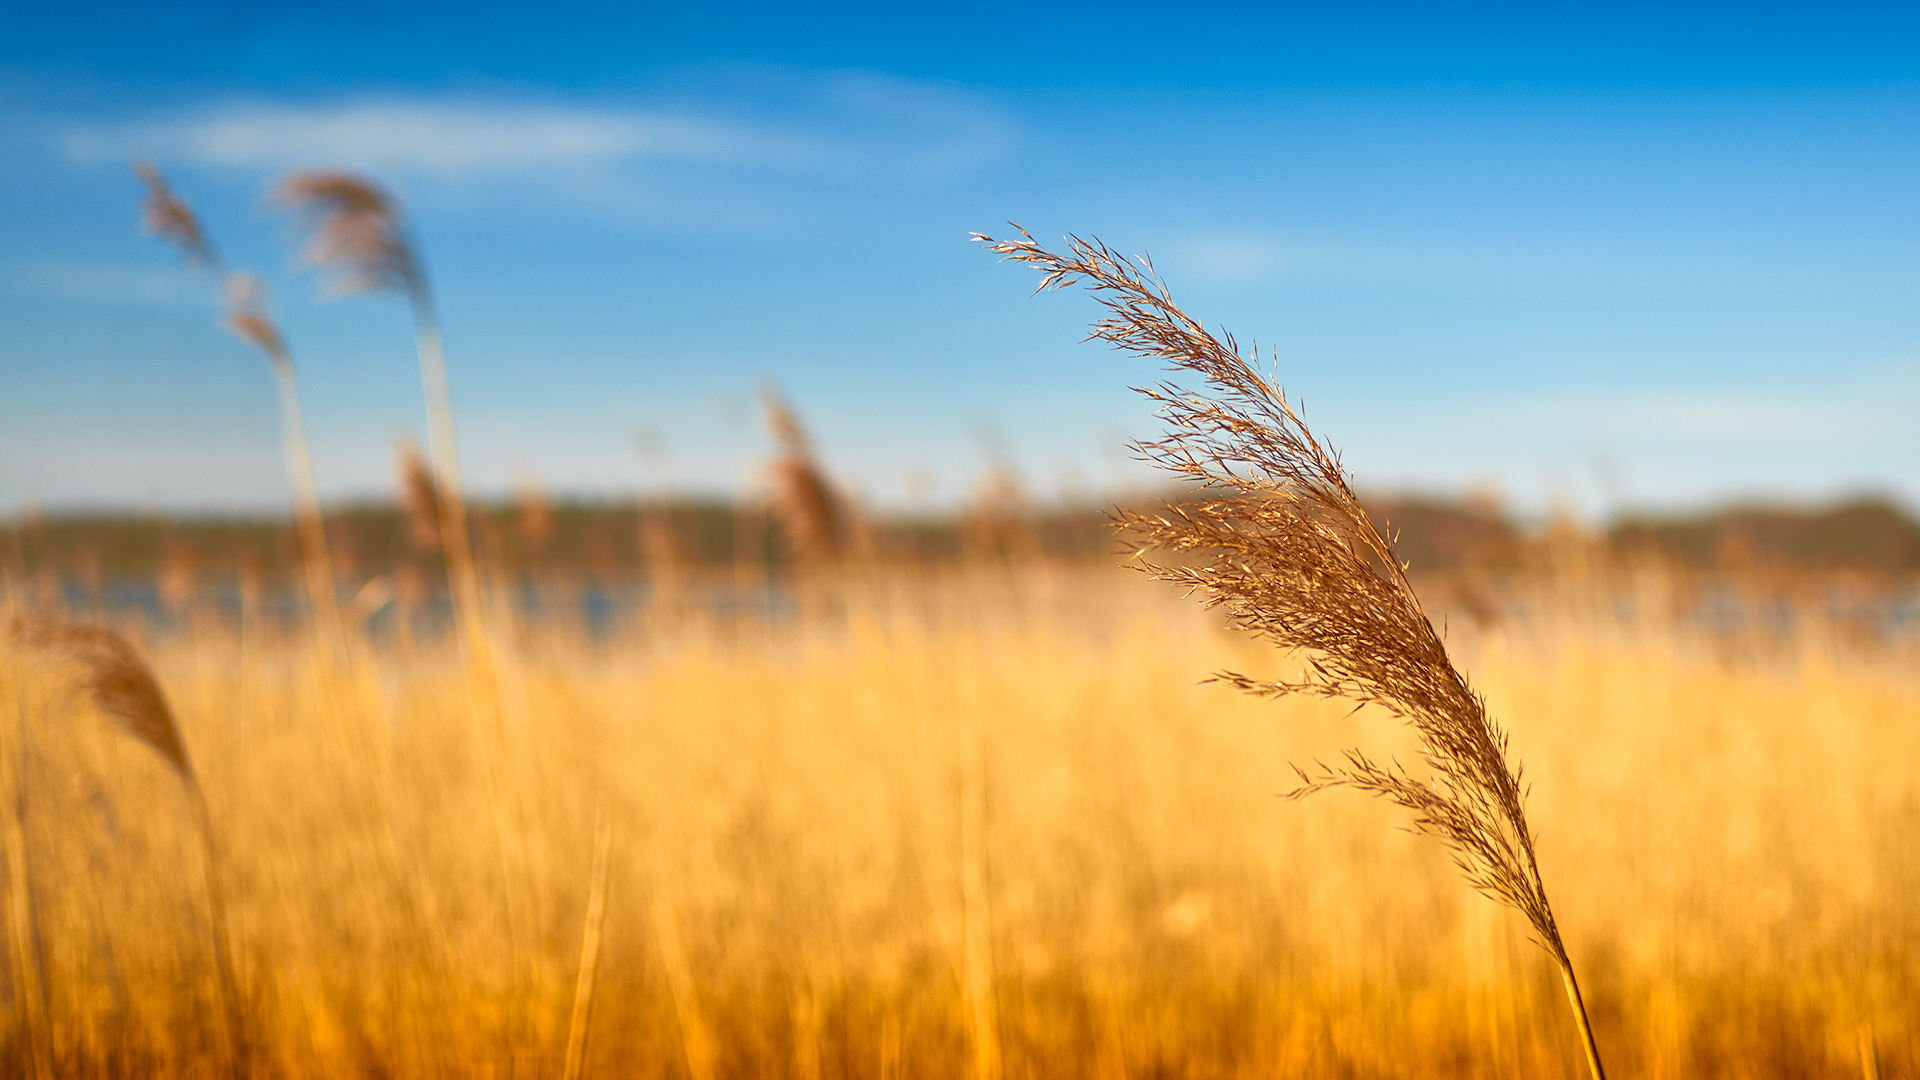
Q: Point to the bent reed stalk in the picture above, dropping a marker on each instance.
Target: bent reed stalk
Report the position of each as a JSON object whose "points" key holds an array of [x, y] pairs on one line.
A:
{"points": [[123, 688], [359, 233], [169, 217], [1290, 555]]}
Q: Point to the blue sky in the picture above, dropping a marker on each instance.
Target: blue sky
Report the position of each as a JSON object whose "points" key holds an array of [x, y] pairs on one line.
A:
{"points": [[1619, 256]]}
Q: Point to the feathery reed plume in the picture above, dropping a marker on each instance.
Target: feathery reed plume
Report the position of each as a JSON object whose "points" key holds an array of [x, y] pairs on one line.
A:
{"points": [[165, 215], [116, 679], [357, 231], [123, 688], [419, 495], [359, 234], [170, 218], [1291, 556], [247, 318], [804, 501]]}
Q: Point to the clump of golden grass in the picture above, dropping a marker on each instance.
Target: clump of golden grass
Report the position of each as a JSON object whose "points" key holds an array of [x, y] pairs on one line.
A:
{"points": [[123, 688], [169, 217], [1291, 556], [804, 501], [1742, 884]]}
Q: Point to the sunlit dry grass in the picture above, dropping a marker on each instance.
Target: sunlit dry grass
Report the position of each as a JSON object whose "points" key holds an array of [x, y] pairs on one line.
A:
{"points": [[1732, 841]]}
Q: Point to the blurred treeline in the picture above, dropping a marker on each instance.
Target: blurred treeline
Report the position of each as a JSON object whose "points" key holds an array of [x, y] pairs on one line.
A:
{"points": [[617, 540]]}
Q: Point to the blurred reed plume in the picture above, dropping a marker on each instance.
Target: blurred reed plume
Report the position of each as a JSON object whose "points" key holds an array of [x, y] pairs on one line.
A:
{"points": [[178, 582], [165, 215], [419, 496], [247, 317], [1000, 521], [1287, 551], [116, 679], [534, 521], [170, 218], [122, 687], [804, 501], [358, 234]]}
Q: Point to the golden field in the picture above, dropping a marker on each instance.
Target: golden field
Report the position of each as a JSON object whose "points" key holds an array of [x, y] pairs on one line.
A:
{"points": [[979, 823]]}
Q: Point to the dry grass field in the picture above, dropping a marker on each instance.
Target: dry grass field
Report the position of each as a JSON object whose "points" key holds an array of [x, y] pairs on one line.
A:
{"points": [[829, 809], [980, 823]]}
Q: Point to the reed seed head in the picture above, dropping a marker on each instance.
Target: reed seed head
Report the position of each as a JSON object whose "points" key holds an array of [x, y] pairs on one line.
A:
{"points": [[167, 216], [247, 315], [357, 231], [116, 678], [535, 518], [804, 501], [1283, 546], [420, 494]]}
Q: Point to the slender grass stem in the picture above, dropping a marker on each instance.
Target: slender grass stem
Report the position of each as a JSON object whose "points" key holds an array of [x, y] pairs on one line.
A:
{"points": [[1580, 1017], [315, 555], [589, 950], [239, 1042]]}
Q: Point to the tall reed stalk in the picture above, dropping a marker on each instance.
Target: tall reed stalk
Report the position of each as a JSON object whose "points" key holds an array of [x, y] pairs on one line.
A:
{"points": [[23, 951], [1284, 547], [976, 910], [586, 977], [123, 688], [360, 233], [696, 1037], [170, 218]]}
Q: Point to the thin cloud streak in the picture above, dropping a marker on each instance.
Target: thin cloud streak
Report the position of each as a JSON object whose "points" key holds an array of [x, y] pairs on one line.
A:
{"points": [[866, 125], [452, 139]]}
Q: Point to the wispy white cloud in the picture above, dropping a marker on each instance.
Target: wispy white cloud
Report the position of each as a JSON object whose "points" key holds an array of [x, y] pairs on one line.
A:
{"points": [[852, 124], [453, 138]]}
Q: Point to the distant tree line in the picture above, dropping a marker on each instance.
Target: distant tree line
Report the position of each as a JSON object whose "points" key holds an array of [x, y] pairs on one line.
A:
{"points": [[615, 539]]}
